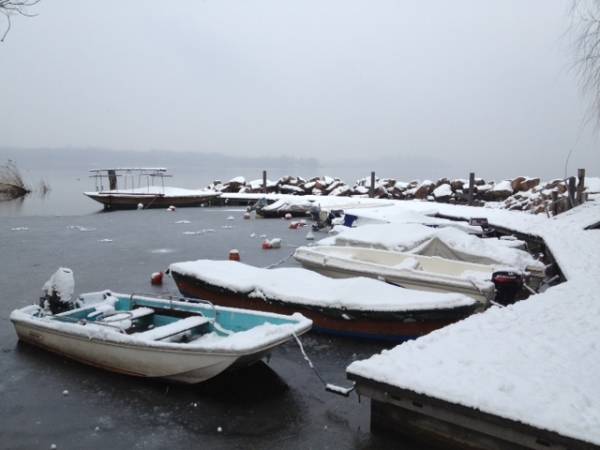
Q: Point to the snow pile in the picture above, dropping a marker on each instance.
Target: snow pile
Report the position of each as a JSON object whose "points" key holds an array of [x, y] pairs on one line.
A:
{"points": [[60, 284], [304, 287], [536, 361], [241, 339], [504, 185], [443, 190]]}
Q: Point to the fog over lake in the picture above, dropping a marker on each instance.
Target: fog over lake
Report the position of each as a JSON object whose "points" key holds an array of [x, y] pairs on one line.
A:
{"points": [[409, 89]]}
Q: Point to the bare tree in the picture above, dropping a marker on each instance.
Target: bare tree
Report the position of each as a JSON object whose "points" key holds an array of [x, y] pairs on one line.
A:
{"points": [[15, 7], [586, 27]]}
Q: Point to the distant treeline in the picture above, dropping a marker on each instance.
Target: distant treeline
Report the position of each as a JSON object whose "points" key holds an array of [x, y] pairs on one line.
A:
{"points": [[88, 158]]}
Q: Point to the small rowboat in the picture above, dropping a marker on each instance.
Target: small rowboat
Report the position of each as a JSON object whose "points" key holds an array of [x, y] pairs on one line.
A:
{"points": [[153, 337], [357, 307], [426, 273]]}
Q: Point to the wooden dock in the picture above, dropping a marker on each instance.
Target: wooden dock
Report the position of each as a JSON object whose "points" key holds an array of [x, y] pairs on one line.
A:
{"points": [[438, 423]]}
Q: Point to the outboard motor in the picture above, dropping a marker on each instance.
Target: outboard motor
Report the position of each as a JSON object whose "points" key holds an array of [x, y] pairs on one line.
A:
{"points": [[334, 214], [58, 291], [508, 284]]}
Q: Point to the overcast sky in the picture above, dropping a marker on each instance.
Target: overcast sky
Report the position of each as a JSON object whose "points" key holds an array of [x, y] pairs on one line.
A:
{"points": [[482, 85]]}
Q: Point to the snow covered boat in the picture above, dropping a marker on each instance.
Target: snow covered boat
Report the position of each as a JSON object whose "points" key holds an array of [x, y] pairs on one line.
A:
{"points": [[356, 307], [444, 241], [145, 187], [279, 208], [428, 273], [156, 337]]}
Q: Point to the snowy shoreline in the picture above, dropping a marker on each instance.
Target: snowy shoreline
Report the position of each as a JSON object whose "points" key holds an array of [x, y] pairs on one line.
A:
{"points": [[517, 194]]}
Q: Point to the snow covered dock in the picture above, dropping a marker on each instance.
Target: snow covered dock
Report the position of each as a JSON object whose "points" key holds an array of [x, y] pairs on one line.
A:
{"points": [[520, 376]]}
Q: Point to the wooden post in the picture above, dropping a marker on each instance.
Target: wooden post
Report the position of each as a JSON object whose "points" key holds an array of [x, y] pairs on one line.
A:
{"points": [[571, 191], [471, 188], [580, 185], [112, 180], [265, 181], [554, 203], [372, 188]]}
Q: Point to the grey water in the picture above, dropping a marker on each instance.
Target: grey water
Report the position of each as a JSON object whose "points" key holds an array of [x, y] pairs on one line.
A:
{"points": [[67, 185], [278, 403]]}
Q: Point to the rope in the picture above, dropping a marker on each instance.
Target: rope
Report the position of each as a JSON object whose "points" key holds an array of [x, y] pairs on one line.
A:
{"points": [[280, 262], [340, 390], [307, 359]]}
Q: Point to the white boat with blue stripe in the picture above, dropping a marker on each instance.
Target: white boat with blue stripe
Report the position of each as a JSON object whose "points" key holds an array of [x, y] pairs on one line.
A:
{"points": [[146, 336]]}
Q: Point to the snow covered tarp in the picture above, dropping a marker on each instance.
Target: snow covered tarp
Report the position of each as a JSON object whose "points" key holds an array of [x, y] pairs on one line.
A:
{"points": [[408, 212], [535, 362], [447, 242], [303, 287]]}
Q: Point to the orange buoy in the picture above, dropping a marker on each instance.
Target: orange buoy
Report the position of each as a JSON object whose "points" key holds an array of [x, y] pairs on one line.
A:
{"points": [[156, 279], [234, 255]]}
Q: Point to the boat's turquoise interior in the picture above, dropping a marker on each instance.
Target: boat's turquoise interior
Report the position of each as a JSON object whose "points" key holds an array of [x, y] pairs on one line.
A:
{"points": [[166, 312]]}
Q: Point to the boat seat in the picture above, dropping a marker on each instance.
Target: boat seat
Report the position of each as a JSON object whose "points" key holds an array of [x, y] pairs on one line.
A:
{"points": [[124, 319], [174, 328]]}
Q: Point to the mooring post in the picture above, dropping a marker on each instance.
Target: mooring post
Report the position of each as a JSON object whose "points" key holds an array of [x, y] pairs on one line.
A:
{"points": [[372, 187], [571, 191], [580, 185], [554, 203], [471, 187], [112, 180], [265, 181]]}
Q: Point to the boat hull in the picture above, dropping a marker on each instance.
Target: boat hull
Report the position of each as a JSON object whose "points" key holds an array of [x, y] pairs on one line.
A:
{"points": [[131, 201], [173, 365], [138, 355], [395, 326]]}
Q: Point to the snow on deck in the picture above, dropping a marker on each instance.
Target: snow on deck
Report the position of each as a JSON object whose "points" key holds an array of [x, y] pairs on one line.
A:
{"points": [[404, 237], [537, 361], [304, 287]]}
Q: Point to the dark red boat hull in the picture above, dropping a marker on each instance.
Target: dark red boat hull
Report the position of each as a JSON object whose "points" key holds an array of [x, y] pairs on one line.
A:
{"points": [[151, 201], [390, 326]]}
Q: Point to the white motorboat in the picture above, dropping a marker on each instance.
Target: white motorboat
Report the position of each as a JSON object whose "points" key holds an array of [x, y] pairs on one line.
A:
{"points": [[428, 273], [152, 337]]}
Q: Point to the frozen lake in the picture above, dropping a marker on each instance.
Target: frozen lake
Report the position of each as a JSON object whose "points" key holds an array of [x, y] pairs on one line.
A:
{"points": [[279, 404]]}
